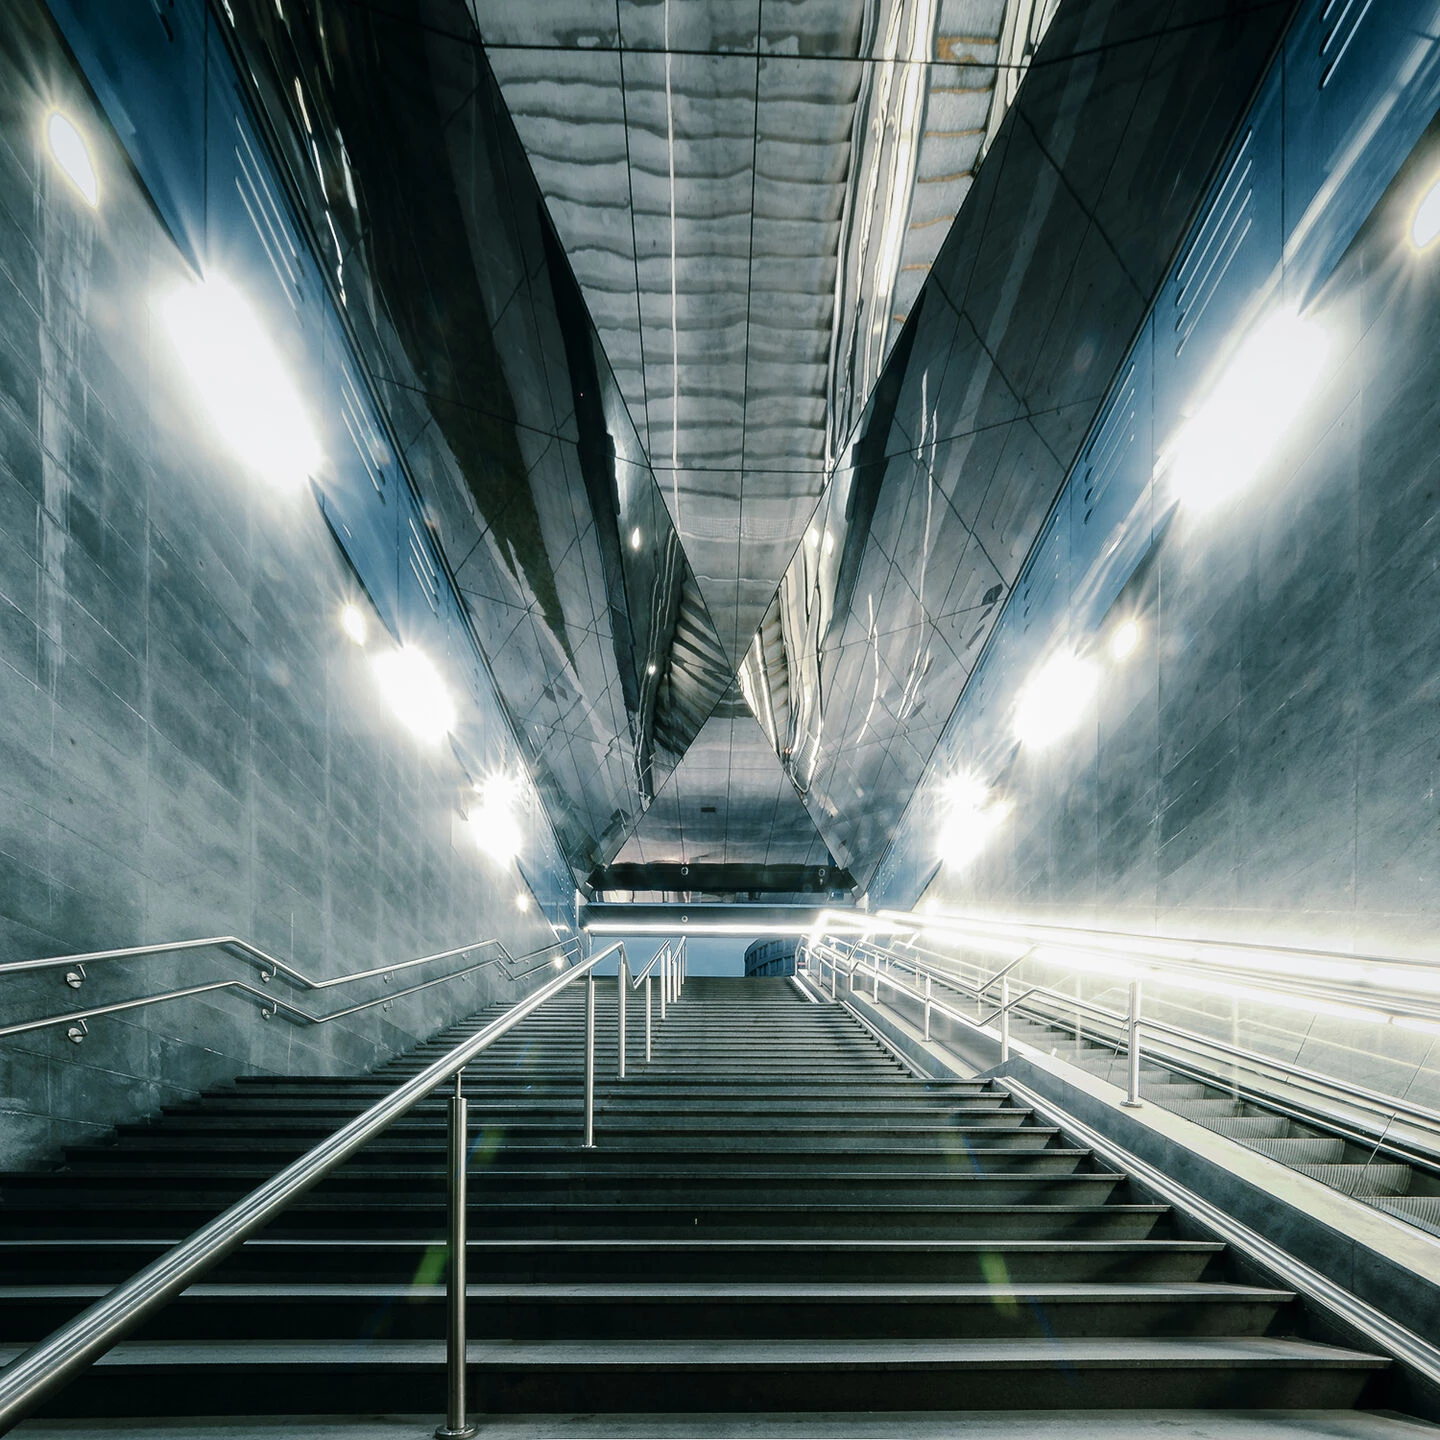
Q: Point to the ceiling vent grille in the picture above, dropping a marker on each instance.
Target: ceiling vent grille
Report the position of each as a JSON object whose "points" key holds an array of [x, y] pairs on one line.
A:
{"points": [[423, 567], [1113, 443], [266, 216], [1339, 22], [1214, 248]]}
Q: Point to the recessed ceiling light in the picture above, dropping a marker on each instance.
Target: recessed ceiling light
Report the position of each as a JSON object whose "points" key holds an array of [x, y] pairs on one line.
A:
{"points": [[353, 623], [1425, 223], [416, 691], [242, 380], [1237, 427], [72, 155], [1054, 699]]}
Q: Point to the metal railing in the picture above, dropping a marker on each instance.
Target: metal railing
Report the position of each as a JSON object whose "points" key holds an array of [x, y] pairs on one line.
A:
{"points": [[1384, 982], [48, 1366], [1123, 1032], [270, 968], [669, 962]]}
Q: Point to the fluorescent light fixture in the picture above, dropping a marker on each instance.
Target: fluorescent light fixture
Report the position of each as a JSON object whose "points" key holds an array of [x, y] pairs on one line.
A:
{"points": [[416, 691], [1055, 699], [354, 624], [1125, 639], [494, 821], [241, 380], [1424, 224], [1230, 438], [635, 538], [72, 155]]}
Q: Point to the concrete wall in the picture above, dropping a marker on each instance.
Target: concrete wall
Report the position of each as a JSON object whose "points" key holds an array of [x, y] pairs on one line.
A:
{"points": [[1265, 763], [188, 743]]}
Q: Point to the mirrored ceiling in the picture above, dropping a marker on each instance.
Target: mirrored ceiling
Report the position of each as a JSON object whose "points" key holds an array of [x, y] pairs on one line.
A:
{"points": [[751, 193]]}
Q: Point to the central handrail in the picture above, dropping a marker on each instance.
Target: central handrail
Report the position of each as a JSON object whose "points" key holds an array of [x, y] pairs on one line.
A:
{"points": [[44, 1368], [270, 968], [671, 960]]}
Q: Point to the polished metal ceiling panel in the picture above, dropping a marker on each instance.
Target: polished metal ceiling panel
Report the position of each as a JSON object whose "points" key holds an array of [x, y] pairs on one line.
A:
{"points": [[751, 194], [500, 397], [988, 393], [728, 802]]}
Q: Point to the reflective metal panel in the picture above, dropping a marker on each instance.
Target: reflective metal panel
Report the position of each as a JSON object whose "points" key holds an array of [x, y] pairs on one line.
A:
{"points": [[507, 413], [946, 481]]}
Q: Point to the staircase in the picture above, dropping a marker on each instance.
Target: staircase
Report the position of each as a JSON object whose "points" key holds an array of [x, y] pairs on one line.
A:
{"points": [[1405, 1191], [776, 1217]]}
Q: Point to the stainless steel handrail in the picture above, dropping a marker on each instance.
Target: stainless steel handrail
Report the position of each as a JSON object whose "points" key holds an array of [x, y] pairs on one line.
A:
{"points": [[271, 1003], [672, 960], [1150, 952], [44, 1368], [1131, 1027]]}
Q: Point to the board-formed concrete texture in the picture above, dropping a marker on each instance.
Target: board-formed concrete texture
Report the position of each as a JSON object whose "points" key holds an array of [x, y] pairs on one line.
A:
{"points": [[189, 744]]}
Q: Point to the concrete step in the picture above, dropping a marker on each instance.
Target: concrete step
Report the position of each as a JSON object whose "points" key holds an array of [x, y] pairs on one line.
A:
{"points": [[673, 1310], [392, 1191], [200, 1377], [497, 1156], [800, 1259], [1078, 1217]]}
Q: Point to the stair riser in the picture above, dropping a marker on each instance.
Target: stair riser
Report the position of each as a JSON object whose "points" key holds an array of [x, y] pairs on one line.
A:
{"points": [[424, 1319], [555, 1264], [367, 1386], [407, 1167]]}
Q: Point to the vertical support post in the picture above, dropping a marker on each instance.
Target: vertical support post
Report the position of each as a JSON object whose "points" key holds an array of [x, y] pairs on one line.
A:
{"points": [[664, 982], [590, 1061], [874, 981], [456, 1426], [622, 980], [1132, 1098], [647, 1019], [927, 1007], [834, 978], [1004, 1021]]}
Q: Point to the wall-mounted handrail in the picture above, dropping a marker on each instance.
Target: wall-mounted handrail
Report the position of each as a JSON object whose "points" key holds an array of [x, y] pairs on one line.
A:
{"points": [[270, 1002], [45, 1367]]}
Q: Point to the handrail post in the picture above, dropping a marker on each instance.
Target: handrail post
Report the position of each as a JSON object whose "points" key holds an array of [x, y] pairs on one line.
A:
{"points": [[874, 982], [834, 977], [927, 1007], [590, 1061], [1004, 1021], [1132, 1097], [456, 1426], [647, 1019], [664, 981], [622, 981]]}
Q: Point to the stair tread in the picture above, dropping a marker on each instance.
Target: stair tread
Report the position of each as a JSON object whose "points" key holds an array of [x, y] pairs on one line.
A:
{"points": [[701, 1292], [762, 1354]]}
